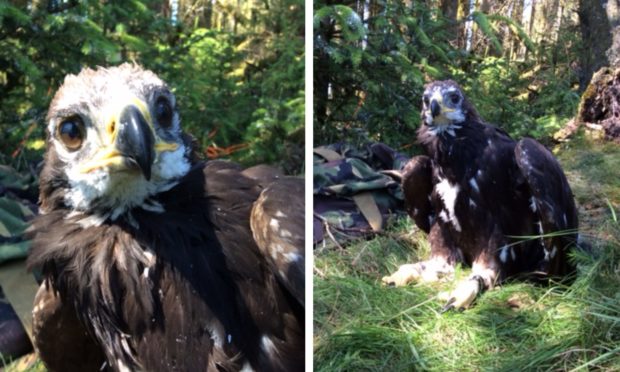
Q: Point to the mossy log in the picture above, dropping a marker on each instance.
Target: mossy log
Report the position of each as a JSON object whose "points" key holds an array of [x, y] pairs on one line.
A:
{"points": [[599, 108]]}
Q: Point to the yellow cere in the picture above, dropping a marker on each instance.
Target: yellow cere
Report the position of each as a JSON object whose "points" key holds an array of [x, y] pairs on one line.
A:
{"points": [[161, 146], [439, 98], [445, 109], [111, 125], [143, 109]]}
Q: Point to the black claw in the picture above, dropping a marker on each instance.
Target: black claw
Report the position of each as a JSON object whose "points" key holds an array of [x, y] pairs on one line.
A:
{"points": [[448, 306]]}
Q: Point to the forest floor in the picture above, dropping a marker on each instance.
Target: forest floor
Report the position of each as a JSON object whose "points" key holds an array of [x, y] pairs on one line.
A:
{"points": [[359, 324]]}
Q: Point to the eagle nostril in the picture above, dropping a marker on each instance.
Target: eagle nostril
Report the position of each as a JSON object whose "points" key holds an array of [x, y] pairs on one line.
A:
{"points": [[111, 127]]}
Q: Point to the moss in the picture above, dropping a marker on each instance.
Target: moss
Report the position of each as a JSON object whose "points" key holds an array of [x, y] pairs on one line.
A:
{"points": [[600, 79]]}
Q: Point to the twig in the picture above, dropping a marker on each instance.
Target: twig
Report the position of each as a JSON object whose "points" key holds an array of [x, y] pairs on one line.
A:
{"points": [[22, 143], [319, 273]]}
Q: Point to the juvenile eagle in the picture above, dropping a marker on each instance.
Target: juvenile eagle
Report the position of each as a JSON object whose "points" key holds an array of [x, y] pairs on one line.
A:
{"points": [[149, 256], [504, 207]]}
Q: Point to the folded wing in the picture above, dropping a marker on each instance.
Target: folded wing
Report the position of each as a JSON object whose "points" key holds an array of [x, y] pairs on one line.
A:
{"points": [[552, 200]]}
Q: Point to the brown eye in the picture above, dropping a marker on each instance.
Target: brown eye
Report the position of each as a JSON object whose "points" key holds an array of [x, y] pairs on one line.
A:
{"points": [[455, 98], [163, 112], [71, 133]]}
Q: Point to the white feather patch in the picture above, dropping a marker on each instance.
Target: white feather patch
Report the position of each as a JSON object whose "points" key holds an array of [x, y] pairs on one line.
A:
{"points": [[121, 366], [267, 345], [291, 257], [540, 227], [448, 194], [565, 221], [275, 224], [503, 255], [474, 184], [123, 191]]}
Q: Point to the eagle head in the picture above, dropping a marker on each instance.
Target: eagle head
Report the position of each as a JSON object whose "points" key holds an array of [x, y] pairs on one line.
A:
{"points": [[113, 141], [445, 105]]}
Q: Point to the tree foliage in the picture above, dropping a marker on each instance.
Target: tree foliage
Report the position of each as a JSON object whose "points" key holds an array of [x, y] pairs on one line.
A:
{"points": [[237, 71], [372, 59]]}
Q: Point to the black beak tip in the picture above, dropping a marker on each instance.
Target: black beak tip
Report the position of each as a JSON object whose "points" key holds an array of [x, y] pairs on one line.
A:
{"points": [[141, 163], [135, 140], [146, 170], [435, 108]]}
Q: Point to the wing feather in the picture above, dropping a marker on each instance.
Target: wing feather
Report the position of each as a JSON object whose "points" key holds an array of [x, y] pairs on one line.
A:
{"points": [[61, 341], [417, 187], [278, 227], [552, 200]]}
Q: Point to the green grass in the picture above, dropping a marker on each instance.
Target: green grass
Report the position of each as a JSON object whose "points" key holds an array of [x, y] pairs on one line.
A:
{"points": [[593, 169], [27, 363], [361, 325]]}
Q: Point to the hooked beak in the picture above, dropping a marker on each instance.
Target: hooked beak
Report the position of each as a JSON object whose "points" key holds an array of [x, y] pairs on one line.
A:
{"points": [[135, 141], [132, 143], [435, 108]]}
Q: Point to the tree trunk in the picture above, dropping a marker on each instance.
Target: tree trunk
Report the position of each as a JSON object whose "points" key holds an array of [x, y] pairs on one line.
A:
{"points": [[599, 109], [322, 74], [463, 12], [526, 23], [596, 36], [208, 14], [449, 9], [613, 17], [544, 20], [510, 43]]}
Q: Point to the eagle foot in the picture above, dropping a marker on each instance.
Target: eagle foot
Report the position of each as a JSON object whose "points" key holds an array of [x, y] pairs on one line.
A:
{"points": [[426, 271], [463, 295]]}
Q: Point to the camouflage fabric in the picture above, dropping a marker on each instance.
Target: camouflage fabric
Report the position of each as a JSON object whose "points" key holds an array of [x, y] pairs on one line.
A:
{"points": [[337, 217], [18, 196]]}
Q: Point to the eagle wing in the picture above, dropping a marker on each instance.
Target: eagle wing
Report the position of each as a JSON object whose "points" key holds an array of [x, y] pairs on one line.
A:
{"points": [[263, 174], [278, 227], [417, 187], [552, 200], [60, 337]]}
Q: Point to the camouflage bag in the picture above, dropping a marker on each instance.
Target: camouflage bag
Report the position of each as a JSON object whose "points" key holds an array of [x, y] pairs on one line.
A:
{"points": [[18, 198], [18, 204], [355, 191]]}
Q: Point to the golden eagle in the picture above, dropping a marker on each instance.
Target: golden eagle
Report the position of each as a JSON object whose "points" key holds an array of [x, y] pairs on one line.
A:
{"points": [[504, 207], [152, 259]]}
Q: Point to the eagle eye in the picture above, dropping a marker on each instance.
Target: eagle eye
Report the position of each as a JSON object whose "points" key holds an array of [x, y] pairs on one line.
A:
{"points": [[454, 97], [71, 132], [163, 112]]}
